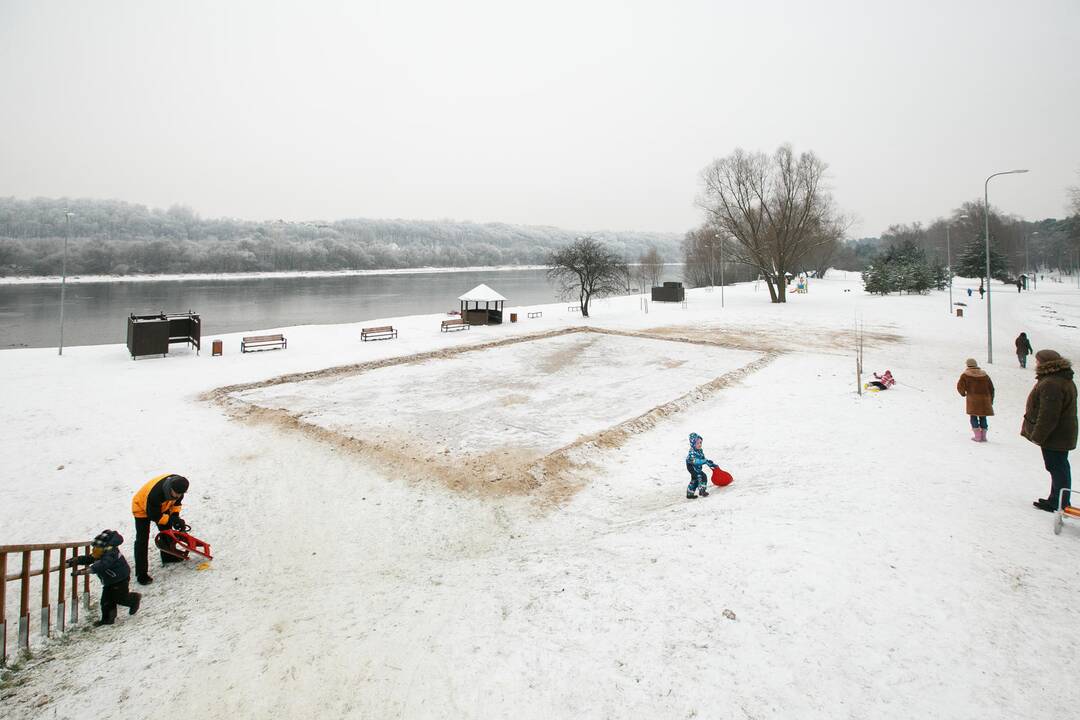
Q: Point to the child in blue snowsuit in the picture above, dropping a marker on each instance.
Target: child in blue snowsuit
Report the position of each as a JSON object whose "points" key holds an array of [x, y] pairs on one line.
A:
{"points": [[694, 460], [113, 570]]}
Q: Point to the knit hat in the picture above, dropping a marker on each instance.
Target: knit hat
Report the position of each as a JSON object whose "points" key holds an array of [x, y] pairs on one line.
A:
{"points": [[108, 538], [971, 362], [694, 437], [1047, 355]]}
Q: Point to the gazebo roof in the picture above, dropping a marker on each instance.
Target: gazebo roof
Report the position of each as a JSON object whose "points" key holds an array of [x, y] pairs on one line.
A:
{"points": [[482, 293]]}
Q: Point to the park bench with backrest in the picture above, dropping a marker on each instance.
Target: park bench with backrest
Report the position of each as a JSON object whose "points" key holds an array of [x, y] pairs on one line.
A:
{"points": [[454, 325], [536, 314], [383, 332], [256, 343]]}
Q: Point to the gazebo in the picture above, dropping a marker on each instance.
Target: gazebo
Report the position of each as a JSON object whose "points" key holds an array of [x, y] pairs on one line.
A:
{"points": [[490, 314]]}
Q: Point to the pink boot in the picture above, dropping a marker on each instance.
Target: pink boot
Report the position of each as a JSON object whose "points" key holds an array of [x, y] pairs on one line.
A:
{"points": [[974, 434], [982, 435]]}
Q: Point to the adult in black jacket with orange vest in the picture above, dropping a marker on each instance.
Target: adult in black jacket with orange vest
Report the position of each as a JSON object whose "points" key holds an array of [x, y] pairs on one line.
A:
{"points": [[158, 501]]}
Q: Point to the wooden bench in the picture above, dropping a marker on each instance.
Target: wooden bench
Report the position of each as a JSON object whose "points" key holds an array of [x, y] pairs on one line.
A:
{"points": [[255, 343], [574, 308], [384, 332], [452, 325], [536, 314]]}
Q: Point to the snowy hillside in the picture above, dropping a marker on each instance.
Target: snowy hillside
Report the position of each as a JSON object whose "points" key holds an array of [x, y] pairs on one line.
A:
{"points": [[498, 528]]}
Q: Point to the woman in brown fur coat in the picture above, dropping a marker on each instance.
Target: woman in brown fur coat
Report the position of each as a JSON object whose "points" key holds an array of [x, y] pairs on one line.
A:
{"points": [[975, 385]]}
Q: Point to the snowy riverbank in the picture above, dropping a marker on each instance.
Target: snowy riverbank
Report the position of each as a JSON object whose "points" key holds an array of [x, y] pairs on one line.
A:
{"points": [[869, 561]]}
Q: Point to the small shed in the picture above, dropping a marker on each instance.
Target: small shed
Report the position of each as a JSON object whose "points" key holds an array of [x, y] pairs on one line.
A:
{"points": [[492, 311]]}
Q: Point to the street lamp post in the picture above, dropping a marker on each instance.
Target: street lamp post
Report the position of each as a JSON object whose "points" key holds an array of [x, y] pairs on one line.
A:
{"points": [[63, 278], [1033, 276], [986, 217], [948, 258]]}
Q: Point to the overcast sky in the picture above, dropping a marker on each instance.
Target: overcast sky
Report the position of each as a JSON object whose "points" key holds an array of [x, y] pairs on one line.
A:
{"points": [[582, 114]]}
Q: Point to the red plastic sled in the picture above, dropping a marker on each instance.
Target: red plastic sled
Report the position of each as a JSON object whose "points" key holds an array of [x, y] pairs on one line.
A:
{"points": [[720, 477], [180, 544]]}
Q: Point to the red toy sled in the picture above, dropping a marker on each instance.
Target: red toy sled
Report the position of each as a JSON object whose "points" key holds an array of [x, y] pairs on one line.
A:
{"points": [[179, 544], [721, 478]]}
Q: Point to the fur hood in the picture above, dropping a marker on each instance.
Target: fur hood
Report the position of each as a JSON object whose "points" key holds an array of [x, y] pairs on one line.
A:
{"points": [[975, 372], [1051, 367]]}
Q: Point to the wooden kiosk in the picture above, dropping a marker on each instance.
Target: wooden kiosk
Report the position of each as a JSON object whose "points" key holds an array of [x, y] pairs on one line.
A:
{"points": [[490, 314]]}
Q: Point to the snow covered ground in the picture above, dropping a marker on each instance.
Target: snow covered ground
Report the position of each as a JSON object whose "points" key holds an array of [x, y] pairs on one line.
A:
{"points": [[869, 561]]}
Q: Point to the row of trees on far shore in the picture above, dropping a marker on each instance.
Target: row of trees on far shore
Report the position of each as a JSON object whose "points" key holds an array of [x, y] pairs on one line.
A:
{"points": [[115, 238]]}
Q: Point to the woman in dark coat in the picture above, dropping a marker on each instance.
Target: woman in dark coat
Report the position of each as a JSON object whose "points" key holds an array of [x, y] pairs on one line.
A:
{"points": [[1023, 349], [1050, 422], [975, 385]]}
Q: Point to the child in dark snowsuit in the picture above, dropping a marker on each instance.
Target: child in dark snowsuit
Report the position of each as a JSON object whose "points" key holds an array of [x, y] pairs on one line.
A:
{"points": [[113, 570], [694, 460]]}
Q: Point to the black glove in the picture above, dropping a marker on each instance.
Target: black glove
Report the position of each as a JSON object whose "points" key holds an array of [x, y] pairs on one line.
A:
{"points": [[177, 523], [71, 562]]}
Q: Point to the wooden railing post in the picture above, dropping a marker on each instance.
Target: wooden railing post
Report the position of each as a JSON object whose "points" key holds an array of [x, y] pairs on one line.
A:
{"points": [[46, 574], [86, 587], [3, 609], [24, 603], [74, 592], [61, 619]]}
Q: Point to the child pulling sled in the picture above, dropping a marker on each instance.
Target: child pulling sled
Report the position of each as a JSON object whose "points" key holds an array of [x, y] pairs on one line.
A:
{"points": [[694, 460]]}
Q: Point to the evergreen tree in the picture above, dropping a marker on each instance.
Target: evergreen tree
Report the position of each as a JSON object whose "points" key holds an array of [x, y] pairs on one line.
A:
{"points": [[972, 261]]}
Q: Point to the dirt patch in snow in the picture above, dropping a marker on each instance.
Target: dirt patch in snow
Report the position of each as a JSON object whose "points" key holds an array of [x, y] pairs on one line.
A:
{"points": [[550, 478]]}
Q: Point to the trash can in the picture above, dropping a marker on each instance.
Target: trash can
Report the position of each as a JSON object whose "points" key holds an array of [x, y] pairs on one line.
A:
{"points": [[215, 348], [959, 312], [513, 317]]}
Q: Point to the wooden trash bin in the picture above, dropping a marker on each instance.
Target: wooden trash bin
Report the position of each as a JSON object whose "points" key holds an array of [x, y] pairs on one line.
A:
{"points": [[513, 317], [959, 312], [215, 348]]}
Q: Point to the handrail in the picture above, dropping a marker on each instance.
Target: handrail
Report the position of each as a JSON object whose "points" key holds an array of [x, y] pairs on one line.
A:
{"points": [[45, 570]]}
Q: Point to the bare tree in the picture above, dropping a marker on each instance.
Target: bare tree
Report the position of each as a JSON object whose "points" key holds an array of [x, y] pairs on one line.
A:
{"points": [[588, 269], [652, 266], [775, 210]]}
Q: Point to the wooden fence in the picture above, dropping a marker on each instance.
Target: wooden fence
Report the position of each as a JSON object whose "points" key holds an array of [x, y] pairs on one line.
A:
{"points": [[45, 570]]}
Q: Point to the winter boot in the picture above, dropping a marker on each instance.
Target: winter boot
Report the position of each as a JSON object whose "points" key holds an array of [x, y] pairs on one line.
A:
{"points": [[690, 495], [974, 434], [982, 434], [1045, 505], [106, 619], [703, 492], [145, 579], [135, 599]]}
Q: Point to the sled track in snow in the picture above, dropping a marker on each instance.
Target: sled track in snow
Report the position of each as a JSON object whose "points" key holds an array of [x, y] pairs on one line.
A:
{"points": [[550, 479]]}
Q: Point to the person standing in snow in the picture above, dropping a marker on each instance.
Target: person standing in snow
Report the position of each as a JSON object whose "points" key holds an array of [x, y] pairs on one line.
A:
{"points": [[694, 460], [113, 570], [975, 385], [159, 500], [1023, 349], [1050, 422], [982, 290]]}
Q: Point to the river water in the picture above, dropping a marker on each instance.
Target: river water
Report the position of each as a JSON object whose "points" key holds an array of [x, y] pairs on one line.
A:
{"points": [[97, 313]]}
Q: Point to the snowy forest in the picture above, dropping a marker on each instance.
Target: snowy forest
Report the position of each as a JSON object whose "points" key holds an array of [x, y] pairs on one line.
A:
{"points": [[110, 237]]}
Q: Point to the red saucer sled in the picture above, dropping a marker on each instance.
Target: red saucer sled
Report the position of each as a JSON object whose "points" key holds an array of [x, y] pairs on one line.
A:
{"points": [[179, 544], [720, 477]]}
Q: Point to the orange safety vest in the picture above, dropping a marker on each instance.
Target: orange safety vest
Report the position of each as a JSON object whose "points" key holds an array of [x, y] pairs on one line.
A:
{"points": [[138, 503]]}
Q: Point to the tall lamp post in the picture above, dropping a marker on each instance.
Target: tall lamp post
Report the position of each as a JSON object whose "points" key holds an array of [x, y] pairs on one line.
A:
{"points": [[1027, 261], [986, 217], [63, 278], [948, 258]]}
